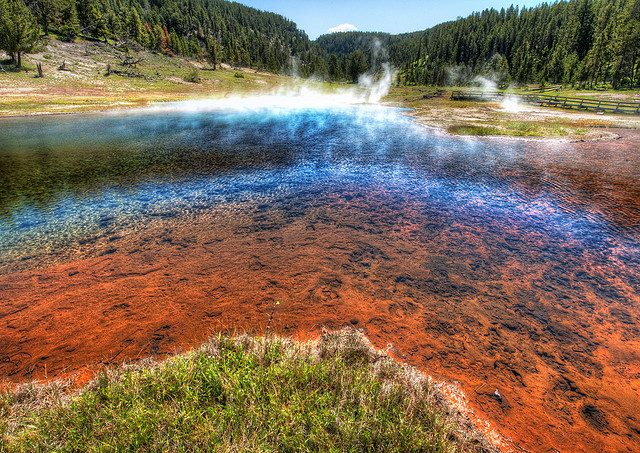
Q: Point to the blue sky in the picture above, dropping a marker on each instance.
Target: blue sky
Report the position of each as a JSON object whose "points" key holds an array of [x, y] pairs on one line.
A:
{"points": [[316, 17]]}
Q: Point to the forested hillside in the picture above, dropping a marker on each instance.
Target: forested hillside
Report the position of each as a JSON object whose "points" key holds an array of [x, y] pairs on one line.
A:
{"points": [[217, 30], [583, 42], [576, 42], [343, 51], [566, 42]]}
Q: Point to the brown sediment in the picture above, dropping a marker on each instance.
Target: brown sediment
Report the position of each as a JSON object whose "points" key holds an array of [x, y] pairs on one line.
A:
{"points": [[544, 355], [541, 333]]}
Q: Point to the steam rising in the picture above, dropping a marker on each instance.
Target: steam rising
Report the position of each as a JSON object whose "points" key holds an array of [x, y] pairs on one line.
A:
{"points": [[378, 87], [372, 86], [512, 104], [297, 97], [489, 85]]}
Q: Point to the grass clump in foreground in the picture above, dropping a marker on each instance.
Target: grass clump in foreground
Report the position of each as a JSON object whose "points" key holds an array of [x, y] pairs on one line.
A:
{"points": [[244, 394]]}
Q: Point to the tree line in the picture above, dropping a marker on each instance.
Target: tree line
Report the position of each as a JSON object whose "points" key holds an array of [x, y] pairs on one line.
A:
{"points": [[578, 42], [217, 30], [584, 42]]}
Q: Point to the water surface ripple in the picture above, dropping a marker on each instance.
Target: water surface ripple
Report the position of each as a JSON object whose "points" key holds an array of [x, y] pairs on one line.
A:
{"points": [[512, 267]]}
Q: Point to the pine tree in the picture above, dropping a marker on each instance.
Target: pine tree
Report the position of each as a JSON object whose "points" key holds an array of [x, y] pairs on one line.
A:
{"points": [[584, 31], [497, 69], [91, 18], [68, 19], [213, 53], [19, 29], [597, 56], [357, 65], [135, 29], [629, 43], [175, 43], [46, 13], [335, 71]]}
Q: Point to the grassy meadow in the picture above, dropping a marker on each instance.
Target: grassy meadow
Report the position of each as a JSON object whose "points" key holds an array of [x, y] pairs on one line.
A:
{"points": [[244, 393], [89, 75]]}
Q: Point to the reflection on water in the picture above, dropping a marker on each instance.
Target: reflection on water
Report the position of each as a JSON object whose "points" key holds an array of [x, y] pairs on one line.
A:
{"points": [[503, 264], [70, 178]]}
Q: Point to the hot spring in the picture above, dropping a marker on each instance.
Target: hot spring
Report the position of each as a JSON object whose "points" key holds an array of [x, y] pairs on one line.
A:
{"points": [[509, 267]]}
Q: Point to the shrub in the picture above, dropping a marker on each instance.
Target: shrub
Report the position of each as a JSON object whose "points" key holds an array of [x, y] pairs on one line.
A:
{"points": [[192, 76]]}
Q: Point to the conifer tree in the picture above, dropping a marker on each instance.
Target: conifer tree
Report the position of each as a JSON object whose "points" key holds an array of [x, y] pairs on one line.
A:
{"points": [[135, 29], [213, 53], [91, 19], [68, 19], [628, 48], [357, 65], [19, 29], [46, 12], [597, 56], [335, 71]]}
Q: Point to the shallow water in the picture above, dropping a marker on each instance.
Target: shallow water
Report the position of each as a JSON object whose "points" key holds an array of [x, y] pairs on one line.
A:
{"points": [[506, 265]]}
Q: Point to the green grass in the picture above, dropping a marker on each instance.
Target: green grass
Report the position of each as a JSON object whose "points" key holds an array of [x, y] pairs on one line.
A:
{"points": [[155, 78], [519, 129], [469, 129], [244, 394], [412, 96], [433, 106]]}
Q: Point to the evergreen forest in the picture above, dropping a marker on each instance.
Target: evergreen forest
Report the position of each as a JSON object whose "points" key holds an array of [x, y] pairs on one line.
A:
{"points": [[576, 42]]}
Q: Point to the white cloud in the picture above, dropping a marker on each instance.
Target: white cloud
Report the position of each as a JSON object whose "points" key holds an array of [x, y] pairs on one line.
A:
{"points": [[342, 27]]}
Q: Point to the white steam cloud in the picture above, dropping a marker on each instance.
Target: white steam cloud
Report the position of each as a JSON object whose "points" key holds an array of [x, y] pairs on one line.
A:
{"points": [[512, 105], [297, 96], [342, 28], [490, 82], [488, 86], [303, 94], [377, 85], [377, 89]]}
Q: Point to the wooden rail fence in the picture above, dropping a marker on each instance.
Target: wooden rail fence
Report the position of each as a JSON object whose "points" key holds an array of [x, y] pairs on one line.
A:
{"points": [[546, 89], [597, 105]]}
